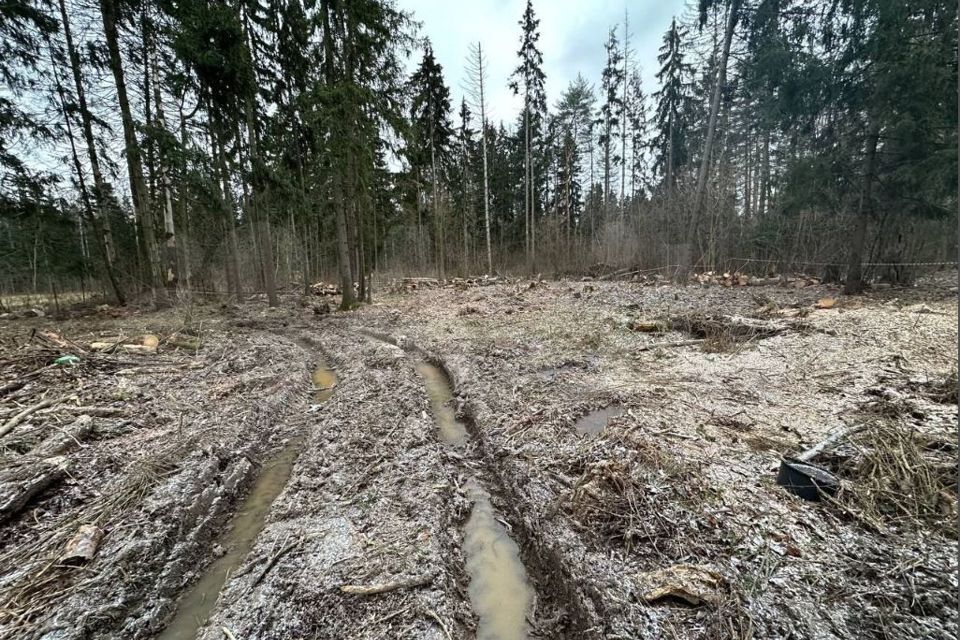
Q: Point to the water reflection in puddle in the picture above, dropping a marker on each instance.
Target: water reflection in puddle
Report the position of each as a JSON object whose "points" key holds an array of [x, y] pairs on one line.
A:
{"points": [[499, 591], [596, 421], [324, 381], [438, 390]]}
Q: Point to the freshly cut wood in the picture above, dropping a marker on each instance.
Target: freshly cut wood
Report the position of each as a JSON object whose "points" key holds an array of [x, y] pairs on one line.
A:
{"points": [[374, 589], [66, 440], [148, 340], [22, 483], [125, 348], [83, 545]]}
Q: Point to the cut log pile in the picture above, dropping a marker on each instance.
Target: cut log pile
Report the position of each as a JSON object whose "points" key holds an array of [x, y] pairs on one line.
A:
{"points": [[145, 344]]}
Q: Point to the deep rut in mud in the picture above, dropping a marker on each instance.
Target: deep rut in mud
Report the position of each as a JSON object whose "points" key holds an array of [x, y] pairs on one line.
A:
{"points": [[557, 590], [500, 592], [198, 602]]}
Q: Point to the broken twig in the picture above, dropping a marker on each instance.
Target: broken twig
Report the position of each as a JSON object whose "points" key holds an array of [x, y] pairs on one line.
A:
{"points": [[374, 589], [15, 420]]}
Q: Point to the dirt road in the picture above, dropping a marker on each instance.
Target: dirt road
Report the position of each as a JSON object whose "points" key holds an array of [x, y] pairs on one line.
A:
{"points": [[526, 459]]}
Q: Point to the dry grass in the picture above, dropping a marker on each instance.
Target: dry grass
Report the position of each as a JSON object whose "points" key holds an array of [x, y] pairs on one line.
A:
{"points": [[724, 334], [897, 478], [635, 496], [41, 582]]}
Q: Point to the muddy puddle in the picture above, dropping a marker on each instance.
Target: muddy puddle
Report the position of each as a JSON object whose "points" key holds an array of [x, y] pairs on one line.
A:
{"points": [[438, 390], [596, 421], [324, 382], [499, 590], [195, 606]]}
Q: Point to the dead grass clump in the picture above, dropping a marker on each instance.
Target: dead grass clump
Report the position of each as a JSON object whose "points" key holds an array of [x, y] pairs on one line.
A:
{"points": [[635, 497], [898, 479], [729, 620], [944, 391], [723, 334], [722, 343]]}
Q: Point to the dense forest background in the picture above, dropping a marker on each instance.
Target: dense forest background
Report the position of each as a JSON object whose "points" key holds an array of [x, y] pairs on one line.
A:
{"points": [[172, 148]]}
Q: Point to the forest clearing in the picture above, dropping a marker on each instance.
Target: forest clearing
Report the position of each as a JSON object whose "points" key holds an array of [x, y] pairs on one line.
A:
{"points": [[497, 319], [660, 518]]}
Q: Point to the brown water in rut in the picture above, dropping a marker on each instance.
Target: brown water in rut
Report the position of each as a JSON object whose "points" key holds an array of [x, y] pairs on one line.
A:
{"points": [[198, 601], [499, 590]]}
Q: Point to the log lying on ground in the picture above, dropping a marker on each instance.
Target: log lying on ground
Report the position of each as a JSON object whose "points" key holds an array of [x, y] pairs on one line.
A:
{"points": [[146, 343], [124, 348], [66, 440], [665, 345], [20, 483], [736, 327], [96, 412], [833, 439]]}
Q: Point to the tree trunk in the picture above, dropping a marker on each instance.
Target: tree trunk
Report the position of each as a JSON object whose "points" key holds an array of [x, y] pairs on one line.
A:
{"points": [[719, 81], [855, 282], [486, 179], [526, 180], [763, 196], [343, 250], [98, 213], [138, 190], [171, 258]]}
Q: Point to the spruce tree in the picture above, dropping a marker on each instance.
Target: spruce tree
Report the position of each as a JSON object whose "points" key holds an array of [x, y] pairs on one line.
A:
{"points": [[527, 81], [674, 103], [611, 111], [432, 132]]}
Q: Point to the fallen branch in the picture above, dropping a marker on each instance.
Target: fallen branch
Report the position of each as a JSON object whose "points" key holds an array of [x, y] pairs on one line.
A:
{"points": [[678, 343], [110, 347], [96, 412], [68, 439], [15, 420], [829, 441], [12, 386], [17, 492], [433, 614], [374, 589], [22, 380], [287, 549]]}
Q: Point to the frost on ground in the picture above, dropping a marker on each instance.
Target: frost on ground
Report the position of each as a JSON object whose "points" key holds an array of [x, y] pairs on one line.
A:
{"points": [[628, 437]]}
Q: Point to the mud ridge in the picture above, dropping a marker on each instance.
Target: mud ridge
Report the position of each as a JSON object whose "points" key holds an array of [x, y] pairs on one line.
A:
{"points": [[558, 588]]}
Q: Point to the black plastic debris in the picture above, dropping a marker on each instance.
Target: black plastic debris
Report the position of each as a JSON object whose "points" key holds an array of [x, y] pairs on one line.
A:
{"points": [[806, 480]]}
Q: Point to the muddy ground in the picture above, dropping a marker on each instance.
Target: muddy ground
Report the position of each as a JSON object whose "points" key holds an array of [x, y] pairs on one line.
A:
{"points": [[623, 439]]}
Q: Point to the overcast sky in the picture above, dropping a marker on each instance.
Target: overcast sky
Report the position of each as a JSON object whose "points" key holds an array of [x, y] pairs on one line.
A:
{"points": [[572, 34]]}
